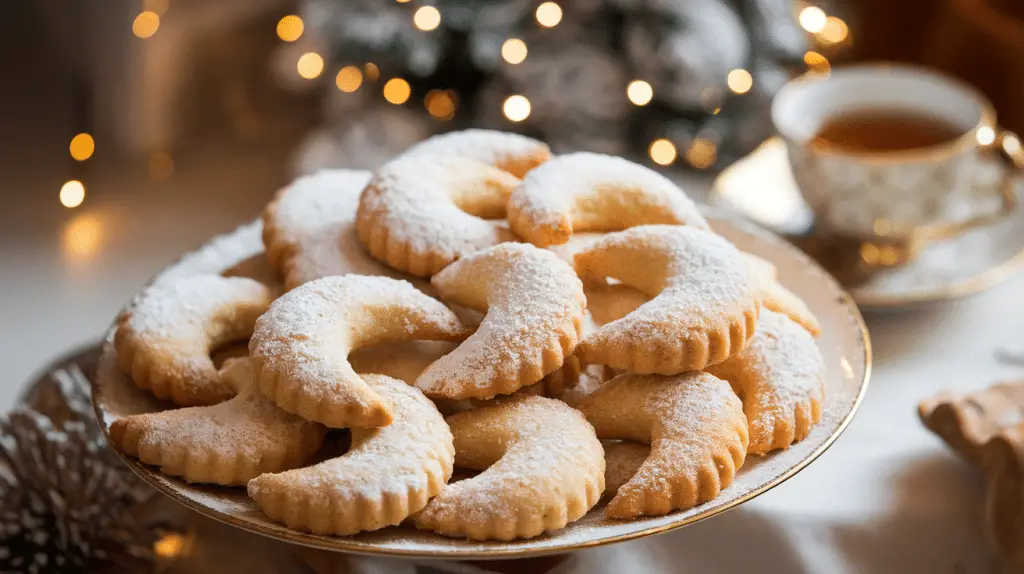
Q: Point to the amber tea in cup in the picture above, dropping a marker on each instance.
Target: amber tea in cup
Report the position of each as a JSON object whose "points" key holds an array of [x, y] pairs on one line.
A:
{"points": [[884, 130]]}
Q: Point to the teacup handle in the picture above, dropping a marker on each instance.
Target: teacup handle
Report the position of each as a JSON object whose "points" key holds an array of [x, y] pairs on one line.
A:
{"points": [[1008, 146]]}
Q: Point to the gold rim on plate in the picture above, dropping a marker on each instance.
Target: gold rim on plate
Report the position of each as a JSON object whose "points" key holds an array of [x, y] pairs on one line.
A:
{"points": [[845, 344]]}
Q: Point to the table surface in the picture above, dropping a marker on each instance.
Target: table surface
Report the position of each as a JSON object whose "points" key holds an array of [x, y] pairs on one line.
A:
{"points": [[887, 497]]}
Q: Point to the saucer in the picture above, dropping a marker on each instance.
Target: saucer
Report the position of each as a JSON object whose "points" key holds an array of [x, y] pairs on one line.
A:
{"points": [[761, 187]]}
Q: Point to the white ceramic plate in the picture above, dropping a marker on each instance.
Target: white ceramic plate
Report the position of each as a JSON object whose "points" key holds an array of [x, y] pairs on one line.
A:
{"points": [[844, 345]]}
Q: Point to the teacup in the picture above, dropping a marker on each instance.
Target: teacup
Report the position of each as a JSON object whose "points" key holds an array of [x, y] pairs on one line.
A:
{"points": [[900, 198]]}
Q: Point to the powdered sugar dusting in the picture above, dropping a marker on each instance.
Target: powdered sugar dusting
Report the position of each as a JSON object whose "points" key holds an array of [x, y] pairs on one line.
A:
{"points": [[310, 228], [596, 192], [407, 461], [543, 465], [698, 281], [507, 151], [779, 372], [535, 306], [307, 334], [691, 421], [414, 197]]}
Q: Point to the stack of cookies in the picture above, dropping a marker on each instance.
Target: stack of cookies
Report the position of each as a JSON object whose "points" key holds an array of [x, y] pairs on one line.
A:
{"points": [[594, 338]]}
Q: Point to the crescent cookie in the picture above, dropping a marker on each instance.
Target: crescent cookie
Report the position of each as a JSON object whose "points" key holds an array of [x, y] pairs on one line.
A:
{"points": [[534, 307], [703, 308], [697, 432], [301, 344], [544, 469], [594, 192], [228, 443], [425, 209], [309, 228], [780, 377], [165, 339], [506, 151], [387, 474], [775, 297]]}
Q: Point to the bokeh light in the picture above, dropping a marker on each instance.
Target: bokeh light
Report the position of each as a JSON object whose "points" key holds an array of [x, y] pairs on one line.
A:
{"points": [[813, 19], [514, 51], [82, 147], [440, 104], [548, 14], [817, 63], [702, 153], [516, 108], [372, 71], [835, 31], [662, 151], [397, 91], [82, 237], [72, 194], [146, 24], [740, 81], [426, 18], [310, 65], [349, 78], [290, 28], [639, 92]]}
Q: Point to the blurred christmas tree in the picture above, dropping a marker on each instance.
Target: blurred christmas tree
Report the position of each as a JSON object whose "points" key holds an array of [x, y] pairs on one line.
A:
{"points": [[675, 81]]}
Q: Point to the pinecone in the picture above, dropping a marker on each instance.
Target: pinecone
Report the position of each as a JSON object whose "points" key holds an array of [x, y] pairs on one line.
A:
{"points": [[66, 501]]}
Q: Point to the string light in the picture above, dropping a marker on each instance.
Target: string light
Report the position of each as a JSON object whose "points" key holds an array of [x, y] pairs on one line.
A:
{"points": [[740, 81], [372, 71], [160, 165], [514, 51], [702, 153], [639, 92], [835, 30], [310, 65], [290, 28], [817, 62], [662, 151], [72, 194], [516, 108], [146, 24], [397, 91], [426, 18], [82, 147], [813, 19], [349, 78], [440, 104], [985, 135], [548, 14]]}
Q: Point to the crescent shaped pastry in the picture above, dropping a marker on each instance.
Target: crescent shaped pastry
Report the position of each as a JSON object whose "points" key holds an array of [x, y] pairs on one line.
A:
{"points": [[780, 377], [301, 344], [697, 432], [388, 474], [227, 443], [165, 339], [704, 304], [431, 205], [544, 469], [594, 192], [534, 307], [309, 229], [506, 151]]}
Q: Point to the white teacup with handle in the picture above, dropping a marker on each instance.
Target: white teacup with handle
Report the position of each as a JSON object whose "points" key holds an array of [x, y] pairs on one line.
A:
{"points": [[902, 198]]}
